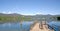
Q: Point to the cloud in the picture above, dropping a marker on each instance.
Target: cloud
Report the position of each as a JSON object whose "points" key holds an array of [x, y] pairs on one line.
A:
{"points": [[6, 12], [39, 13], [28, 14], [9, 12]]}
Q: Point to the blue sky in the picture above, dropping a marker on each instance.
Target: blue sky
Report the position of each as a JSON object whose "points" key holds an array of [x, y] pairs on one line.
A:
{"points": [[30, 7]]}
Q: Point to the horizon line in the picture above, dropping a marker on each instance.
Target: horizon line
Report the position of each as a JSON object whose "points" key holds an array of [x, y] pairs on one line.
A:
{"points": [[31, 14]]}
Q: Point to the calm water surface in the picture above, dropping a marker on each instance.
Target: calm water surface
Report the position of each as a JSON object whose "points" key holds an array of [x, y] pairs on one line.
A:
{"points": [[15, 26], [55, 25]]}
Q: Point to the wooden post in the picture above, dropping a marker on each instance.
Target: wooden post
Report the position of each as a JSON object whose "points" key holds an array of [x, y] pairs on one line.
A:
{"points": [[21, 22]]}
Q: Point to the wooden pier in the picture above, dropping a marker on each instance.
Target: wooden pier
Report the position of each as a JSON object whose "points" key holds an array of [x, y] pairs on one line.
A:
{"points": [[40, 27]]}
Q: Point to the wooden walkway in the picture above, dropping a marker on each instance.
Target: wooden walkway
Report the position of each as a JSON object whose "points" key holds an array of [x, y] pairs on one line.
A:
{"points": [[38, 27]]}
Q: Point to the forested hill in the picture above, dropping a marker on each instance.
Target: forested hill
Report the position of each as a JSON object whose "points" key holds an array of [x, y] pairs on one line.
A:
{"points": [[13, 17], [18, 17]]}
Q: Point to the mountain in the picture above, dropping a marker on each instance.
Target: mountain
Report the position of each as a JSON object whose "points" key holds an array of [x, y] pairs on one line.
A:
{"points": [[18, 17]]}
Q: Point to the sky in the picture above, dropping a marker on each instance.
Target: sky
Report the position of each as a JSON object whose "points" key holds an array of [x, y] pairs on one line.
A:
{"points": [[30, 7]]}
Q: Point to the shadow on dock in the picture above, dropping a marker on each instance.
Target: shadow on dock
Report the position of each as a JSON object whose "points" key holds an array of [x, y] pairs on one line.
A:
{"points": [[40, 26]]}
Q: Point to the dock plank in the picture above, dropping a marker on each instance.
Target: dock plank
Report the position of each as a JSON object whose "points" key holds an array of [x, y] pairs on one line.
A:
{"points": [[36, 28]]}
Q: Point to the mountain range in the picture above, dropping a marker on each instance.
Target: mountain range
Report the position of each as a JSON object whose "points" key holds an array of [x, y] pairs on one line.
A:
{"points": [[18, 17]]}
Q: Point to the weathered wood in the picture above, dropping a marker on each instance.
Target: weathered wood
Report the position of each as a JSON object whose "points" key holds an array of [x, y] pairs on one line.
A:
{"points": [[36, 27], [32, 25]]}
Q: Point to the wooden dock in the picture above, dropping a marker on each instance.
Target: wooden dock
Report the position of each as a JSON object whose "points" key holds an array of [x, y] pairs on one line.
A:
{"points": [[40, 27]]}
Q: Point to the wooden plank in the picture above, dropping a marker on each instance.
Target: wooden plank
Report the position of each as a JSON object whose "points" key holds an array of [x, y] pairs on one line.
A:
{"points": [[38, 26]]}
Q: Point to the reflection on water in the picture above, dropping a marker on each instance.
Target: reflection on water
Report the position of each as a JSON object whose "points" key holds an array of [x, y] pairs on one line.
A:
{"points": [[15, 26], [10, 27], [55, 25]]}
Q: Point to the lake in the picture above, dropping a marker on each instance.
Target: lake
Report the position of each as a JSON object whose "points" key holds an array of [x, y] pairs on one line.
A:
{"points": [[55, 25], [26, 26], [15, 26]]}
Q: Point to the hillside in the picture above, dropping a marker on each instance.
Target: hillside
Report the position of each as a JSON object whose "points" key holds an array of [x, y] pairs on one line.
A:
{"points": [[18, 17], [13, 17]]}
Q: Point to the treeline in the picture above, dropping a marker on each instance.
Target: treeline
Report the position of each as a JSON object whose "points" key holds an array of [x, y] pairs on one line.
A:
{"points": [[14, 18]]}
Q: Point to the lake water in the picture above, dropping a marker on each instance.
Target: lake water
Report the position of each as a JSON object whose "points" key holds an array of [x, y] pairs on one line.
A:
{"points": [[55, 25], [15, 26], [25, 26]]}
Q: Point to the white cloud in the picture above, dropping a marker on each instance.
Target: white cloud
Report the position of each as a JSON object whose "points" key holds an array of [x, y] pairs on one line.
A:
{"points": [[39, 13], [6, 12], [28, 14], [9, 12]]}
